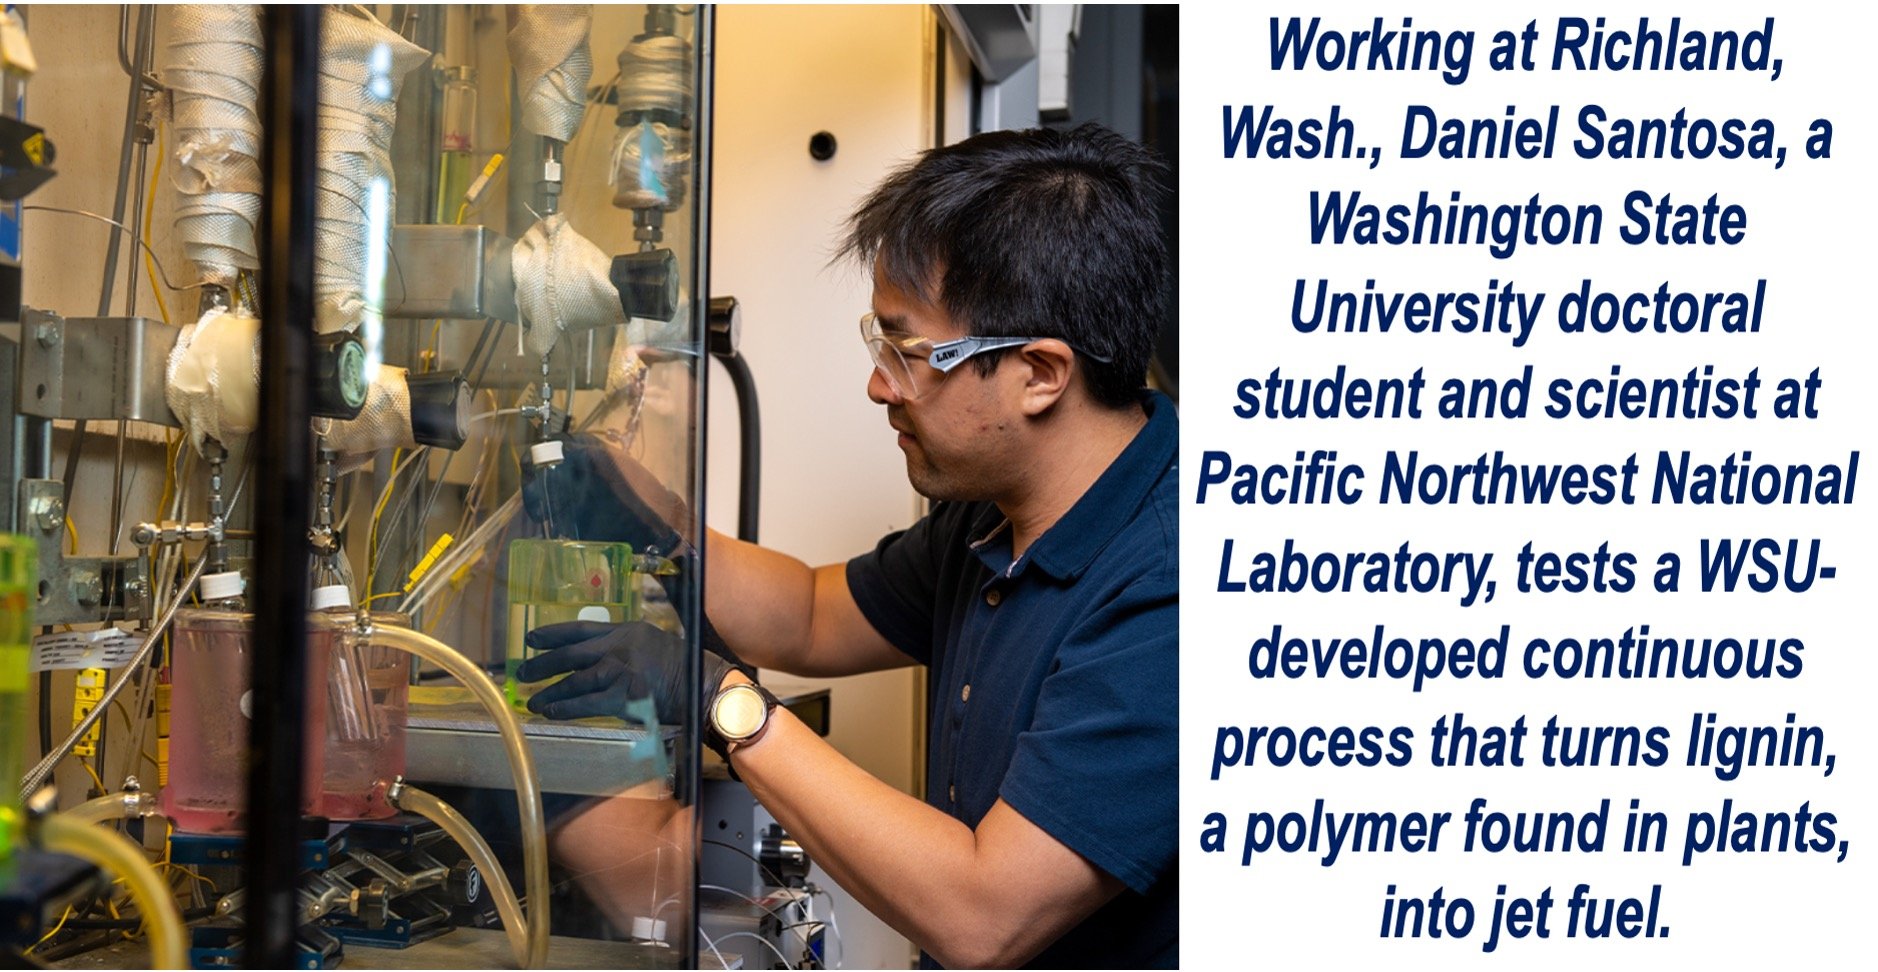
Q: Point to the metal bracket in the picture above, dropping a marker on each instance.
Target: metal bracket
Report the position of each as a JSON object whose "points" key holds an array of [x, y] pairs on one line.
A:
{"points": [[450, 272], [116, 367], [77, 590]]}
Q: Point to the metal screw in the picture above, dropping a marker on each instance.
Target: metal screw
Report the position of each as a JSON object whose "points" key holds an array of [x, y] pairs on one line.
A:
{"points": [[52, 515], [88, 590], [135, 590], [48, 332]]}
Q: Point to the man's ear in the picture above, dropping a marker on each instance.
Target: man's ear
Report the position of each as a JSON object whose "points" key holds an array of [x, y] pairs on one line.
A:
{"points": [[1048, 366]]}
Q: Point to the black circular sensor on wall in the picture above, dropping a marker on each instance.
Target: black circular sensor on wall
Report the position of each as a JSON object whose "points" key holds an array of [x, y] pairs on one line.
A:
{"points": [[821, 146]]}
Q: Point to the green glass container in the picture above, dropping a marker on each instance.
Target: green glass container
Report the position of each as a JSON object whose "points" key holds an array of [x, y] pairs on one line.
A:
{"points": [[552, 581], [19, 567]]}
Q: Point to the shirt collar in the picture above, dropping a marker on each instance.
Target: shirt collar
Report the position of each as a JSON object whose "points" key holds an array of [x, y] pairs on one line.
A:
{"points": [[1072, 543]]}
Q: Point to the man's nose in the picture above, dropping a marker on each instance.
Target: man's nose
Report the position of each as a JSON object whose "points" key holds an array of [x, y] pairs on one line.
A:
{"points": [[879, 389]]}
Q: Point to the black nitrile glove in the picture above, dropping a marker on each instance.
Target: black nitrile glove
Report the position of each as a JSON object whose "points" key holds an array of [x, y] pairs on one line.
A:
{"points": [[613, 664], [597, 492]]}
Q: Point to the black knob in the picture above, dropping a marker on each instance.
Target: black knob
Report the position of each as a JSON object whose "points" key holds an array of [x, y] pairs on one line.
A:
{"points": [[723, 330], [647, 283], [464, 884], [440, 409]]}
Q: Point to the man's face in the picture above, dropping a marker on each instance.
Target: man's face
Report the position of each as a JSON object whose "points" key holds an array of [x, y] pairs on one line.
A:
{"points": [[957, 433]]}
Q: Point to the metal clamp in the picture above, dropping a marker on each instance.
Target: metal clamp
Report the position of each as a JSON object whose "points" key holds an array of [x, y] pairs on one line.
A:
{"points": [[116, 367], [77, 590]]}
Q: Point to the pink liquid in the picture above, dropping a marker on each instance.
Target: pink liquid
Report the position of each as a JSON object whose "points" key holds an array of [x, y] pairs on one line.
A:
{"points": [[210, 706], [368, 692]]}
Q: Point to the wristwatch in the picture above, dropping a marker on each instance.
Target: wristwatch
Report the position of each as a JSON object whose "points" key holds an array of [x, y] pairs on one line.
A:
{"points": [[738, 716]]}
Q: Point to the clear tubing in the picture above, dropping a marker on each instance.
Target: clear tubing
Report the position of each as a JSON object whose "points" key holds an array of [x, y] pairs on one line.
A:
{"points": [[115, 806], [111, 851], [459, 554], [521, 764], [407, 797]]}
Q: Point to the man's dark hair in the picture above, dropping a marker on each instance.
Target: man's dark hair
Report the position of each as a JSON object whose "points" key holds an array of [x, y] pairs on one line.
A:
{"points": [[1035, 233]]}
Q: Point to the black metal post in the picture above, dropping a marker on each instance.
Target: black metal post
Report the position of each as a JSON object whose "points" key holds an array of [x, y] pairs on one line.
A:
{"points": [[692, 613], [283, 476], [750, 435]]}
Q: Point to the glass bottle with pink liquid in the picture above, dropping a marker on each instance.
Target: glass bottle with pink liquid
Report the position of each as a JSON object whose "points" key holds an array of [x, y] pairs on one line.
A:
{"points": [[368, 689], [212, 703]]}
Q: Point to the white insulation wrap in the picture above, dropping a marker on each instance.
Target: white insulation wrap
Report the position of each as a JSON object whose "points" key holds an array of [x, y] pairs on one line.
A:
{"points": [[214, 77], [548, 47], [362, 66], [213, 382], [384, 422], [561, 283]]}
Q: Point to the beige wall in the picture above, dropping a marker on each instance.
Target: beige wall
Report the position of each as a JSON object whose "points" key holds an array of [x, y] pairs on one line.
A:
{"points": [[833, 480]]}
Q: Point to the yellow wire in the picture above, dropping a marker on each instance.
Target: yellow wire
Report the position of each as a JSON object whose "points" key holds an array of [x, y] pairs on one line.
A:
{"points": [[398, 462], [378, 511], [169, 843], [379, 597], [72, 531], [55, 930], [170, 868], [123, 712], [110, 904], [173, 447], [489, 171], [94, 776], [149, 211]]}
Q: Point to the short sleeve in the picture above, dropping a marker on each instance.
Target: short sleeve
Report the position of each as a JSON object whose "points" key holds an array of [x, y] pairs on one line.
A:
{"points": [[1097, 767], [895, 585]]}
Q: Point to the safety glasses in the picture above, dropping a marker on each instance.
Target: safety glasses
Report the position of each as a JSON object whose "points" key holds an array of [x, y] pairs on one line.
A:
{"points": [[914, 365]]}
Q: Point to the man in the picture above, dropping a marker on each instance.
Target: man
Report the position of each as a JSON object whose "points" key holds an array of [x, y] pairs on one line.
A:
{"points": [[1018, 285]]}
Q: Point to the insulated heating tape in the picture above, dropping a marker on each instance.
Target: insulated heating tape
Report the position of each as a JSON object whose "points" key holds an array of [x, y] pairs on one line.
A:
{"points": [[553, 64]]}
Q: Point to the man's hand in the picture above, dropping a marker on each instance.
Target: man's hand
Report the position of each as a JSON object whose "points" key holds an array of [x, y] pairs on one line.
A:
{"points": [[608, 665], [598, 492]]}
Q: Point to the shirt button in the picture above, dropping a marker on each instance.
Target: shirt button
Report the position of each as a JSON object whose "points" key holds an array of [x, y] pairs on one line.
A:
{"points": [[952, 793], [965, 694], [992, 597]]}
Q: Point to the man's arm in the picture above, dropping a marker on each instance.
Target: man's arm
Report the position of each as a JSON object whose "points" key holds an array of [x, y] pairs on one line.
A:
{"points": [[777, 612], [991, 897], [771, 609]]}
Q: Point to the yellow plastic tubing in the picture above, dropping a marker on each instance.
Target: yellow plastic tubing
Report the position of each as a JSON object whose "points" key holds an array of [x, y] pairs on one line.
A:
{"points": [[115, 806], [408, 797], [113, 852], [521, 764]]}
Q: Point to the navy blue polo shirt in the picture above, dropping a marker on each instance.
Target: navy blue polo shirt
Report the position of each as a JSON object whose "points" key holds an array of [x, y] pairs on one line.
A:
{"points": [[1054, 679]]}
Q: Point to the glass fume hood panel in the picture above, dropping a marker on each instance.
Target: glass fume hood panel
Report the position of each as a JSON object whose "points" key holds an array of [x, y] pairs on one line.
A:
{"points": [[509, 297]]}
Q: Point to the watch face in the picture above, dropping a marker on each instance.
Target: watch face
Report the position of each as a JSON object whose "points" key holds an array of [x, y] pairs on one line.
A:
{"points": [[739, 712]]}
